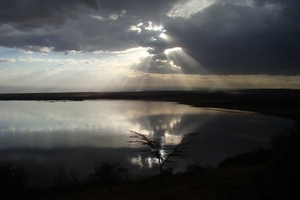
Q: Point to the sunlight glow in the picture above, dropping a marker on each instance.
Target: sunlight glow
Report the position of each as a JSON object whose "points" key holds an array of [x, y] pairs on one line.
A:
{"points": [[163, 35], [155, 28], [168, 51], [189, 7]]}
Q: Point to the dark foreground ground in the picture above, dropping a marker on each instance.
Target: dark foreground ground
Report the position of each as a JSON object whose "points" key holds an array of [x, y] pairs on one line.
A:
{"points": [[250, 176], [234, 183], [284, 103]]}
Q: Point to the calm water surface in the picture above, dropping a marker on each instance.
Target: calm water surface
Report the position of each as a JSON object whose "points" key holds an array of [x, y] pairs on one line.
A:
{"points": [[50, 136]]}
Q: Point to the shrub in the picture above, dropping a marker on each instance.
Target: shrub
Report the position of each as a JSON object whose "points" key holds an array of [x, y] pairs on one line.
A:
{"points": [[247, 159], [108, 172], [196, 167], [286, 161], [13, 178], [66, 178]]}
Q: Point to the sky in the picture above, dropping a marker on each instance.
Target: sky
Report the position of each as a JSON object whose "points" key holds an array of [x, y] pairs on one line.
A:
{"points": [[136, 45]]}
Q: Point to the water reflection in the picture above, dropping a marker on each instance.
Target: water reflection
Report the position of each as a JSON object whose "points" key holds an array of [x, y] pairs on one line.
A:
{"points": [[90, 123], [49, 136]]}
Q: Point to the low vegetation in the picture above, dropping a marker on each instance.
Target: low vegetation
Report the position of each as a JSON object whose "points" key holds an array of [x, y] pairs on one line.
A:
{"points": [[66, 179], [271, 173], [108, 172], [286, 162], [13, 178]]}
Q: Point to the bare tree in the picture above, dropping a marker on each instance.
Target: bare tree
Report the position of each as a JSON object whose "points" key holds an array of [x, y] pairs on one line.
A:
{"points": [[162, 154]]}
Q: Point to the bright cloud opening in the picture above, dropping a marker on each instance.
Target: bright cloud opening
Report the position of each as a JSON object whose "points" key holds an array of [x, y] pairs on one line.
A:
{"points": [[187, 8], [168, 51]]}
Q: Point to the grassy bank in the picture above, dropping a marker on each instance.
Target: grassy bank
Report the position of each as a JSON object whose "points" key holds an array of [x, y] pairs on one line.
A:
{"points": [[240, 177], [231, 183]]}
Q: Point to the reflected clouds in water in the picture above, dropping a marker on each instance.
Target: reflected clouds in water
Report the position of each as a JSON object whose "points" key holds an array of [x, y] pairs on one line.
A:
{"points": [[47, 136]]}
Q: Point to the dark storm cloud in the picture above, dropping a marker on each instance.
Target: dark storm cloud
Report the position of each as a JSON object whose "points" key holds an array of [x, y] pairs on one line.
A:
{"points": [[237, 39], [38, 43], [89, 25], [226, 37], [146, 10], [31, 24], [27, 14]]}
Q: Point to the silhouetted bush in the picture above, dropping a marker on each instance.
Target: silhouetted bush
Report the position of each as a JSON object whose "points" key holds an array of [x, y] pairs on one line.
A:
{"points": [[247, 159], [13, 178], [286, 161], [66, 178], [168, 171], [196, 167], [108, 172]]}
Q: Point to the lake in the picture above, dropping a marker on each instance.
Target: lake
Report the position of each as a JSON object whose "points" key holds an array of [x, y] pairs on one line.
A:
{"points": [[47, 137]]}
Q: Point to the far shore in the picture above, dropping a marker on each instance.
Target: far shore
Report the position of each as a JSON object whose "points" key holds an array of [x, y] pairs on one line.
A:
{"points": [[278, 102]]}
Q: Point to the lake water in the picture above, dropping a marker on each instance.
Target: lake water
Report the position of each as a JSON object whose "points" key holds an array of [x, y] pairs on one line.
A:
{"points": [[47, 137]]}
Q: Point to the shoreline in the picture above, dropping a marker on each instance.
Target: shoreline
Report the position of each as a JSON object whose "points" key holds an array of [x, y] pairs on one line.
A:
{"points": [[281, 103]]}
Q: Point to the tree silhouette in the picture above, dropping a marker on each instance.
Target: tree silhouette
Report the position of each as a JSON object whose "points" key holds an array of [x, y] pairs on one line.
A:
{"points": [[162, 154]]}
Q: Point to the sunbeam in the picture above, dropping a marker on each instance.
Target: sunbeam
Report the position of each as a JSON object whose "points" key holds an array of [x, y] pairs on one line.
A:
{"points": [[181, 58]]}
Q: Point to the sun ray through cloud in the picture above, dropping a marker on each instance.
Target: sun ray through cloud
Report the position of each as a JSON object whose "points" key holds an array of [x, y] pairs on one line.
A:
{"points": [[101, 45]]}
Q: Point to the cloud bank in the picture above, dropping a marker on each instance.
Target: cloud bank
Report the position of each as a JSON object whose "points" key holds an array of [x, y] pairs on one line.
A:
{"points": [[214, 36]]}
